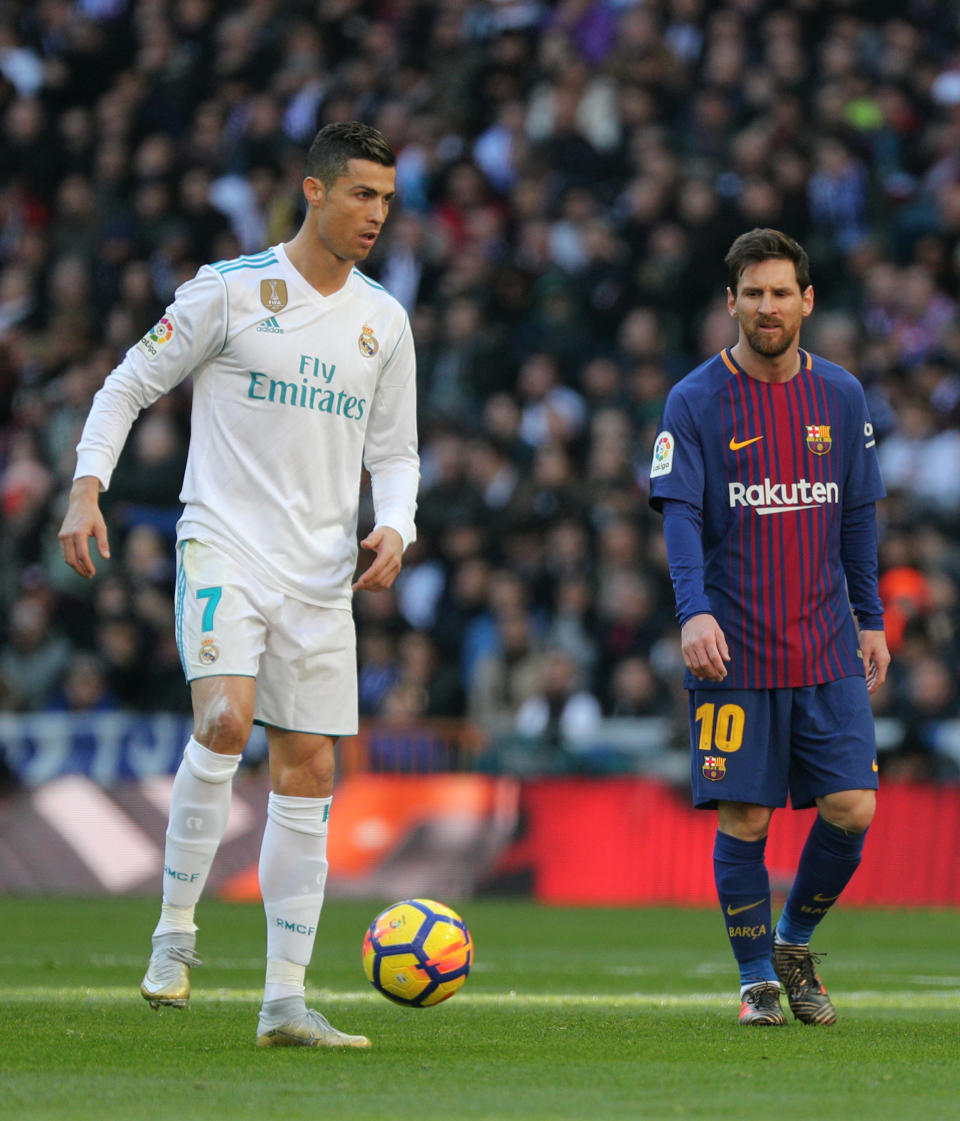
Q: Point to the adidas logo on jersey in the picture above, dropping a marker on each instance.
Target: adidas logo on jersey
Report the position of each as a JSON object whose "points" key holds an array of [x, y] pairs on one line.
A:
{"points": [[271, 326]]}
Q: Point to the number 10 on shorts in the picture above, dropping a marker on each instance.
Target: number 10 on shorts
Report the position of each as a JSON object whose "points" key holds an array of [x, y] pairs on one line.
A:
{"points": [[721, 727]]}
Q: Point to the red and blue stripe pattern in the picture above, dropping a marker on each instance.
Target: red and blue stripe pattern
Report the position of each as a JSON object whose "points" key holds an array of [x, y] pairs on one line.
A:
{"points": [[772, 466]]}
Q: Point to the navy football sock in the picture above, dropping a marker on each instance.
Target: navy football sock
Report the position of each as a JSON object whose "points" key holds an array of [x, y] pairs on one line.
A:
{"points": [[743, 888], [830, 857]]}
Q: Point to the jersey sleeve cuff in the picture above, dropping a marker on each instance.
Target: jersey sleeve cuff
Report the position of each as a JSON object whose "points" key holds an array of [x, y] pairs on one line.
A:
{"points": [[403, 524], [689, 612], [96, 464]]}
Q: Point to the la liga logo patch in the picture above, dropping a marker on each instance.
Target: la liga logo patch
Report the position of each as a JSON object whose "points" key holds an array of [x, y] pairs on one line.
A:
{"points": [[663, 448], [158, 335]]}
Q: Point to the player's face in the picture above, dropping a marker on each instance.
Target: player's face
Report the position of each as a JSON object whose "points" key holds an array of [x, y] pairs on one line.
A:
{"points": [[770, 306], [350, 214]]}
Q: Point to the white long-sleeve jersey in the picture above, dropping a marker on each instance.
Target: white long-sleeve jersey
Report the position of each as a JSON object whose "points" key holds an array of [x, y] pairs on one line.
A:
{"points": [[293, 393]]}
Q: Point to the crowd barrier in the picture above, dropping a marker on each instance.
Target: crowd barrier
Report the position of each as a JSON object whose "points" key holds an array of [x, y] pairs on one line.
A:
{"points": [[416, 813]]}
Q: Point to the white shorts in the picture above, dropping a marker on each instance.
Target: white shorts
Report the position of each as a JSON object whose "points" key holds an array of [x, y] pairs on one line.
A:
{"points": [[303, 657]]}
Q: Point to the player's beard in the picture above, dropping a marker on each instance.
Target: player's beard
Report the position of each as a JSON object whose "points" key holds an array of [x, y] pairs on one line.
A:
{"points": [[770, 346]]}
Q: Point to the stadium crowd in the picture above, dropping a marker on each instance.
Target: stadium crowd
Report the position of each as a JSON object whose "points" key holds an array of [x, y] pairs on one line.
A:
{"points": [[570, 176]]}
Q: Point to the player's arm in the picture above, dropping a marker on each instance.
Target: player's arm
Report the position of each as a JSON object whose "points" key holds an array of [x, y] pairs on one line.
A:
{"points": [[862, 487], [702, 641], [385, 567], [82, 521], [193, 330], [858, 554], [390, 455]]}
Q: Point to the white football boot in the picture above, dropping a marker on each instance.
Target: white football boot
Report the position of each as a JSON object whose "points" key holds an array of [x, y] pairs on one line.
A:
{"points": [[167, 980], [288, 1023]]}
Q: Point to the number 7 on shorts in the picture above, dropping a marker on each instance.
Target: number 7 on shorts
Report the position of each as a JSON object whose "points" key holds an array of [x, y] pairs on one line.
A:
{"points": [[212, 596]]}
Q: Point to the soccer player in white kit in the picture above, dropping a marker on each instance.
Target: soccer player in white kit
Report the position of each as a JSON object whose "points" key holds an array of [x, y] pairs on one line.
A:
{"points": [[303, 373]]}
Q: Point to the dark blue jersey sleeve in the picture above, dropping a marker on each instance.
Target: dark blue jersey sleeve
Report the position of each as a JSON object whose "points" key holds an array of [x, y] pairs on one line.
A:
{"points": [[858, 555], [863, 482], [682, 528], [677, 467]]}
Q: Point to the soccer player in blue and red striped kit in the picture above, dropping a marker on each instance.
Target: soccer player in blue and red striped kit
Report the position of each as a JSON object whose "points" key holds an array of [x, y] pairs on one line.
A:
{"points": [[766, 474]]}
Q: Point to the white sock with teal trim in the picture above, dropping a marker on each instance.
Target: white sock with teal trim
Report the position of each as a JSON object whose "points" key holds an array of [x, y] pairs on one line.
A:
{"points": [[293, 874], [199, 809]]}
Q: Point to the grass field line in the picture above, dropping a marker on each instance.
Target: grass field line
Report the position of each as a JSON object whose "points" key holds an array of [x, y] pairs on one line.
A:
{"points": [[906, 999]]}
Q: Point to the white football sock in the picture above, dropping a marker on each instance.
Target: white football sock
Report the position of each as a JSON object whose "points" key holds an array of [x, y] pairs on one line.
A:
{"points": [[293, 873], [199, 808]]}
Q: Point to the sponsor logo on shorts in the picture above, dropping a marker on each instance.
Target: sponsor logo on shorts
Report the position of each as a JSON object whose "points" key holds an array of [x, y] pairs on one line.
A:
{"points": [[367, 342], [714, 767], [209, 651]]}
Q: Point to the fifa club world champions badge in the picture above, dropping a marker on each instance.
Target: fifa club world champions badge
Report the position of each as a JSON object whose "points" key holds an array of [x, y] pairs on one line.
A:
{"points": [[273, 294]]}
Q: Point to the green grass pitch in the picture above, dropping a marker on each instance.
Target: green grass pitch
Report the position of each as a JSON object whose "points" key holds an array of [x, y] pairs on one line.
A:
{"points": [[568, 1013]]}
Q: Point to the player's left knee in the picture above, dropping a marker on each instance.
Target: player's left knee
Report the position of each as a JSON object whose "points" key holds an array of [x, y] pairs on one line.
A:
{"points": [[851, 810], [303, 768]]}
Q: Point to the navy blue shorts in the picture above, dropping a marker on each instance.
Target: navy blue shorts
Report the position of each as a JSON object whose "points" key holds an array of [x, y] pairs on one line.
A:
{"points": [[758, 745]]}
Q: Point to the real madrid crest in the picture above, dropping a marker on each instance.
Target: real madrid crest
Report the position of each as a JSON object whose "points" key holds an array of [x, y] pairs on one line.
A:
{"points": [[209, 651], [819, 440], [367, 342], [273, 294]]}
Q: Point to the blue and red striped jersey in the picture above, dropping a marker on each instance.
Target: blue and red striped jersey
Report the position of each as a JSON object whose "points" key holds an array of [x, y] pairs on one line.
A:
{"points": [[772, 467]]}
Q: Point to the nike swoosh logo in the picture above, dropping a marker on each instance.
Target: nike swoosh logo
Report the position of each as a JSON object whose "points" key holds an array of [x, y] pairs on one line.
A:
{"points": [[875, 767], [736, 445], [737, 910], [818, 898]]}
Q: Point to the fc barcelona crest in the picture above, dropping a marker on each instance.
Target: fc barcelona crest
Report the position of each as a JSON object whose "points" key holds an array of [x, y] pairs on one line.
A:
{"points": [[273, 294], [714, 767], [819, 440]]}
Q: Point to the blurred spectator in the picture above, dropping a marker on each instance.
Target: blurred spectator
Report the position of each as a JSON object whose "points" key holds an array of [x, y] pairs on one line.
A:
{"points": [[34, 656], [422, 673], [905, 593], [922, 459], [503, 680], [635, 690], [85, 687], [378, 669], [560, 713]]}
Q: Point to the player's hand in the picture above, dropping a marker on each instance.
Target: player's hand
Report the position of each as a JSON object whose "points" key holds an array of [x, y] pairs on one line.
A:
{"points": [[876, 658], [385, 567], [704, 648], [82, 521]]}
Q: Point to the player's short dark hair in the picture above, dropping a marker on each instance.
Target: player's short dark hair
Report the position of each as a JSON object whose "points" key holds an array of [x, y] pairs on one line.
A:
{"points": [[766, 245], [336, 144]]}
